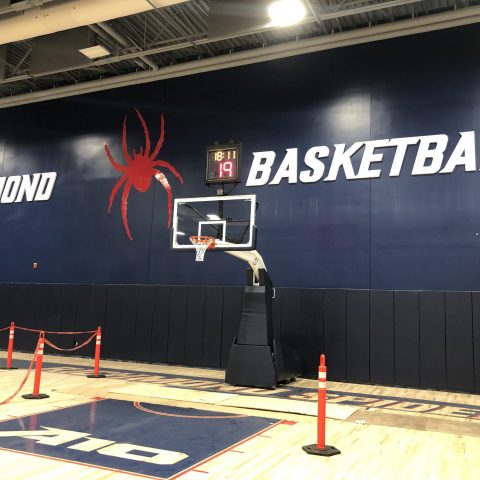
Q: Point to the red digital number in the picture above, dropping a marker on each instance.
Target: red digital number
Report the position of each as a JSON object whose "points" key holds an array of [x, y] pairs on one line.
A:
{"points": [[226, 169]]}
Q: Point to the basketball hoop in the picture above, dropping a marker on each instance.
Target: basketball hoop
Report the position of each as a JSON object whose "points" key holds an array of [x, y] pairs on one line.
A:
{"points": [[202, 244]]}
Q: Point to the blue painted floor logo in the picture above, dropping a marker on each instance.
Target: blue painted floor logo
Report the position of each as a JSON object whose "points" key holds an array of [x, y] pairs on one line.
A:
{"points": [[154, 440]]}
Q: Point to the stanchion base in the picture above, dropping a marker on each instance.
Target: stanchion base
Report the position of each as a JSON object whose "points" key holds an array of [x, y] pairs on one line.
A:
{"points": [[8, 368], [328, 451], [100, 375], [36, 397]]}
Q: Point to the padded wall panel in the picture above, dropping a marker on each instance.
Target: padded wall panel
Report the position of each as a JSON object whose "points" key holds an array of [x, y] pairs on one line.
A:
{"points": [[382, 345], [335, 328], [212, 330], [83, 321], [176, 325], [128, 320], [358, 336], [111, 340], [459, 331], [69, 314], [143, 331], [52, 306], [432, 340], [291, 322], [476, 338], [407, 339], [231, 314], [194, 326], [161, 322], [311, 331]]}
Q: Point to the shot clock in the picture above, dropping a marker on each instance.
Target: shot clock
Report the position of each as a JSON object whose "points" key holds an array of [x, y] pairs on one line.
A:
{"points": [[223, 162]]}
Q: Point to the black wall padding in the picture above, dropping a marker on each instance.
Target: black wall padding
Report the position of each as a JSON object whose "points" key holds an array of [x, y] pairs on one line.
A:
{"points": [[143, 326], [311, 331], [432, 340], [476, 337], [176, 325], [407, 339], [160, 325], [382, 341], [404, 338], [212, 327], [358, 336], [194, 326], [335, 331], [459, 336]]}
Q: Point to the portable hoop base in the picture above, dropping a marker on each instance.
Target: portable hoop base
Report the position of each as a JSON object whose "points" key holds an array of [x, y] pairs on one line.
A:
{"points": [[328, 451], [31, 396]]}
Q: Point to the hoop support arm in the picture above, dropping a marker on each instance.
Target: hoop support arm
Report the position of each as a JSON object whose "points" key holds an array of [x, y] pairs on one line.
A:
{"points": [[254, 260]]}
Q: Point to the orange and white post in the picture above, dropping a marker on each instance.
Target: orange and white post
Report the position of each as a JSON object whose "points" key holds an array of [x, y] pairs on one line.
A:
{"points": [[320, 448], [11, 337], [38, 370], [98, 346]]}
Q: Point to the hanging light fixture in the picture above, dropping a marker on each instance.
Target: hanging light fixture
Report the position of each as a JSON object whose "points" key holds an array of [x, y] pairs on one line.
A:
{"points": [[286, 12]]}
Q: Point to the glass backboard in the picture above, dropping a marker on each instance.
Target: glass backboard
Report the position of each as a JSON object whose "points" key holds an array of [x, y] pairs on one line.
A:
{"points": [[228, 219]]}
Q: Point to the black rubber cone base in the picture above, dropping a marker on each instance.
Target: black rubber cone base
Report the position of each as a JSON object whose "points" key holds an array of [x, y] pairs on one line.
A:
{"points": [[8, 368], [36, 397], [100, 375], [328, 451]]}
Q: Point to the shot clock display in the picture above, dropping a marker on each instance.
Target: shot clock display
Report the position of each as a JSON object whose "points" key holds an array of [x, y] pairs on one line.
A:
{"points": [[223, 163]]}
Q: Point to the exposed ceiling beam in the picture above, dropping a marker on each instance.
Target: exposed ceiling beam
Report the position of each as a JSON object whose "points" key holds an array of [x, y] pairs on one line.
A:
{"points": [[422, 24]]}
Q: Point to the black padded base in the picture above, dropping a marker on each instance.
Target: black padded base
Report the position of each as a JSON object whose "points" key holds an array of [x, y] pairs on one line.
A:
{"points": [[31, 396], [251, 366], [328, 451], [100, 375]]}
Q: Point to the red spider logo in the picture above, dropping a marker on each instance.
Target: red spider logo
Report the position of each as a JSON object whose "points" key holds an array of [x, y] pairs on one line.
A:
{"points": [[140, 170]]}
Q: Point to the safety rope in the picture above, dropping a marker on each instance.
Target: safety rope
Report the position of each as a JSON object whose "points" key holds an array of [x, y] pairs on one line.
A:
{"points": [[55, 333], [24, 381], [6, 328], [78, 347]]}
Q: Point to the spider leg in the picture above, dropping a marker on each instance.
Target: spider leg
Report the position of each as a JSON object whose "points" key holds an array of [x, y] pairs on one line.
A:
{"points": [[159, 144], [115, 165], [145, 132], [163, 180], [125, 193], [115, 190], [163, 163], [127, 156]]}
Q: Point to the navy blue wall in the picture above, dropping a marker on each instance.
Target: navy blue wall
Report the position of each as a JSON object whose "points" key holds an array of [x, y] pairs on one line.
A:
{"points": [[389, 233], [394, 262]]}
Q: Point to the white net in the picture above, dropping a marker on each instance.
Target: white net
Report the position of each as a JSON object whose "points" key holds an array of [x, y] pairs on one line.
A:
{"points": [[201, 245]]}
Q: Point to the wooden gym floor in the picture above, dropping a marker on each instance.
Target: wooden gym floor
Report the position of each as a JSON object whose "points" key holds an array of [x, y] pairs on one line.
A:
{"points": [[161, 421]]}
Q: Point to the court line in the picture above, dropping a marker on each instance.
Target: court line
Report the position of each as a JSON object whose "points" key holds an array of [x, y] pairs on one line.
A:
{"points": [[231, 447], [31, 414], [80, 463], [138, 405]]}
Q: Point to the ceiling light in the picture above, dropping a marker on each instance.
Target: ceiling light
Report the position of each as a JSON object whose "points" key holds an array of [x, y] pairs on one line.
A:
{"points": [[95, 52], [286, 12], [212, 216]]}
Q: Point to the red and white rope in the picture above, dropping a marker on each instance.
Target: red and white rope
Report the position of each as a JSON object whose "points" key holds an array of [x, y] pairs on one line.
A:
{"points": [[78, 347], [55, 333], [24, 381]]}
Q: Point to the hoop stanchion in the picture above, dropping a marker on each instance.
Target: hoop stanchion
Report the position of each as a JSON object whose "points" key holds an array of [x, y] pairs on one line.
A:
{"points": [[96, 368], [11, 337], [38, 371], [320, 448]]}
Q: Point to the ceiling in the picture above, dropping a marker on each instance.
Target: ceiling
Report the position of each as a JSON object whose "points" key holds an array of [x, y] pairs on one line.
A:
{"points": [[185, 37]]}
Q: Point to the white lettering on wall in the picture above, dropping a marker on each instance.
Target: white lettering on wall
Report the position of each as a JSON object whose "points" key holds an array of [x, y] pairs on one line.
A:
{"points": [[37, 187]]}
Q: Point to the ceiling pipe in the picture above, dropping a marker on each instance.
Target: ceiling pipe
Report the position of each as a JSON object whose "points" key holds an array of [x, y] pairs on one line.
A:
{"points": [[453, 18], [125, 43], [56, 17]]}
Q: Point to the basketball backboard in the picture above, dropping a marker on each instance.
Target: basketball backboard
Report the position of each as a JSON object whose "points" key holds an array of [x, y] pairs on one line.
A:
{"points": [[228, 219]]}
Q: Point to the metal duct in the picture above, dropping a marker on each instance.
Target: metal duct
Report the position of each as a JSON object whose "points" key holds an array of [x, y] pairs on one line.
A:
{"points": [[55, 17]]}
